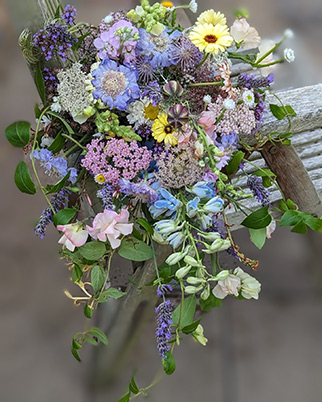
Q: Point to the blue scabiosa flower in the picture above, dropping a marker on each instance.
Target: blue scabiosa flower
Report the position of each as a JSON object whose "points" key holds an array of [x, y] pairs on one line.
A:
{"points": [[163, 331], [115, 85], [157, 47], [140, 191], [54, 165]]}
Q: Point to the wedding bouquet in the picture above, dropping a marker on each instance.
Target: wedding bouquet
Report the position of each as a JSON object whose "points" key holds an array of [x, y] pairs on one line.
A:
{"points": [[142, 128]]}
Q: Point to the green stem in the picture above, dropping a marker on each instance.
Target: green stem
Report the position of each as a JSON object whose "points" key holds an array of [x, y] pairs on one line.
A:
{"points": [[74, 141], [204, 84], [71, 149], [205, 57], [156, 266], [269, 52], [42, 188]]}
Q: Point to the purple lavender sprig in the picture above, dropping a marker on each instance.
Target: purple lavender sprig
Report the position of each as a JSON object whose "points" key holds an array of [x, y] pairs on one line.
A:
{"points": [[163, 331], [253, 82], [58, 202], [255, 184], [69, 14]]}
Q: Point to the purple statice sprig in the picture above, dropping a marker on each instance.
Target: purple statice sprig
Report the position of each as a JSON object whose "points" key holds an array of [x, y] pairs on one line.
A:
{"points": [[163, 331], [58, 202]]}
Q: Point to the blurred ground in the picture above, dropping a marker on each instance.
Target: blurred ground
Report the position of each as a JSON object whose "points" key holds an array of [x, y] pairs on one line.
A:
{"points": [[257, 351]]}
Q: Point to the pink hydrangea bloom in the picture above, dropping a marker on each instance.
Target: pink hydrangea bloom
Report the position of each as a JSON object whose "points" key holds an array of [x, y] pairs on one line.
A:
{"points": [[109, 225], [74, 235]]}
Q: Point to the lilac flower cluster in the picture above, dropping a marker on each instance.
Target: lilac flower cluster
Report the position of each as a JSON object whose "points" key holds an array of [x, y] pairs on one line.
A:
{"points": [[54, 165], [255, 184], [69, 14], [163, 331], [116, 159], [54, 41], [58, 202]]}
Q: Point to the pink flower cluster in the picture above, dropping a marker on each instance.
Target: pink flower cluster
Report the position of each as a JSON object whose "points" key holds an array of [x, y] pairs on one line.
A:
{"points": [[240, 120], [116, 159]]}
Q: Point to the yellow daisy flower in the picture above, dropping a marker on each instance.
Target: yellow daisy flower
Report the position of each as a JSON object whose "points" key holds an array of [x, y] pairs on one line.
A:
{"points": [[151, 112], [211, 38], [163, 131], [212, 17], [99, 178]]}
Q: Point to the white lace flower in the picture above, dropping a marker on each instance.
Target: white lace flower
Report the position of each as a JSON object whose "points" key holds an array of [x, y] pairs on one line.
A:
{"points": [[207, 99], [229, 104], [289, 55]]}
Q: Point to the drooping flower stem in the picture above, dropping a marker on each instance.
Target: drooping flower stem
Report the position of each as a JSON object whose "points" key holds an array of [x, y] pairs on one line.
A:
{"points": [[74, 141], [205, 57], [156, 267], [42, 188]]}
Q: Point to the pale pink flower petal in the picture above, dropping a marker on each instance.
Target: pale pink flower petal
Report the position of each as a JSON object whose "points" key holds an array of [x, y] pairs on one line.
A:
{"points": [[74, 235], [241, 31]]}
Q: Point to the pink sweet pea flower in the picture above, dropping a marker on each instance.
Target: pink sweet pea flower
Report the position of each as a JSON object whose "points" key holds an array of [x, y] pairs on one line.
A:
{"points": [[109, 225], [207, 122], [74, 235]]}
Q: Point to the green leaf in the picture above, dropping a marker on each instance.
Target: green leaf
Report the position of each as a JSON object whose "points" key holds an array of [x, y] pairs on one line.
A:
{"points": [[23, 179], [190, 328], [40, 84], [291, 204], [312, 222], [278, 111], [210, 303], [126, 397], [258, 219], [264, 172], [110, 293], [188, 312], [93, 250], [137, 234], [90, 340], [287, 143], [68, 127], [76, 345], [88, 312], [76, 355], [99, 334], [18, 133], [37, 111], [290, 218], [135, 250], [77, 273], [97, 278], [283, 206], [290, 111], [169, 364], [258, 237], [64, 216], [57, 144], [146, 226], [58, 186], [133, 387], [300, 227], [234, 162]]}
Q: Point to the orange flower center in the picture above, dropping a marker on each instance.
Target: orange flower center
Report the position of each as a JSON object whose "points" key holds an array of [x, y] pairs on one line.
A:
{"points": [[211, 38]]}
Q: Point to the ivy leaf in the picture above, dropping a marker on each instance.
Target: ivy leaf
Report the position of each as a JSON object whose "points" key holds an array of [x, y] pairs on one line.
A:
{"points": [[258, 237], [234, 162], [258, 219], [93, 250], [40, 84], [210, 303], [188, 312], [99, 334], [64, 216], [135, 250], [169, 364], [23, 179], [133, 387], [18, 133], [97, 278], [190, 328]]}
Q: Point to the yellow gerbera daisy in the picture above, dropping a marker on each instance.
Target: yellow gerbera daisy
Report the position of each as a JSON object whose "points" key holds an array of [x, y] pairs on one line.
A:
{"points": [[163, 131], [212, 17], [211, 38]]}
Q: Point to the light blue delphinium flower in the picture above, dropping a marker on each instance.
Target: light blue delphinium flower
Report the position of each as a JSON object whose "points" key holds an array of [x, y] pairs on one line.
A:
{"points": [[203, 189], [214, 205], [175, 239], [115, 85], [192, 207], [167, 204]]}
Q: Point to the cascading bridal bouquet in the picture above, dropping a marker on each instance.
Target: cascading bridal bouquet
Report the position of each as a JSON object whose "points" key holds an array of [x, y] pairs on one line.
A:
{"points": [[142, 128]]}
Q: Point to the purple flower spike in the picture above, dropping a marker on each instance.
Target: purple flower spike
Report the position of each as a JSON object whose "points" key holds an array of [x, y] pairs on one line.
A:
{"points": [[163, 331]]}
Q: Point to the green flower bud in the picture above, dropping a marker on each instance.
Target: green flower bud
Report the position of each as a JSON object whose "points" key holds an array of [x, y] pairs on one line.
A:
{"points": [[182, 272]]}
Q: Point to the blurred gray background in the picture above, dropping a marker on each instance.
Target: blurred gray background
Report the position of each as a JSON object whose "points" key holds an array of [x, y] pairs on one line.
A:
{"points": [[257, 351]]}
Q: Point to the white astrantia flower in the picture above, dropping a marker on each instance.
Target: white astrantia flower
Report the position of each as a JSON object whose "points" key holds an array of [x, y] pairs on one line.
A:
{"points": [[250, 287], [248, 98], [289, 55], [207, 99], [289, 34], [229, 104], [193, 6]]}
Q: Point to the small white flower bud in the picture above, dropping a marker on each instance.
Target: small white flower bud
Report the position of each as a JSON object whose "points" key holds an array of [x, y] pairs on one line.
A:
{"points": [[193, 6], [289, 55], [289, 34]]}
